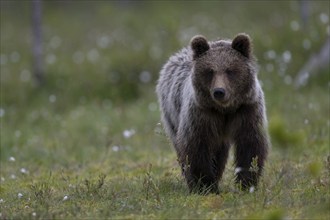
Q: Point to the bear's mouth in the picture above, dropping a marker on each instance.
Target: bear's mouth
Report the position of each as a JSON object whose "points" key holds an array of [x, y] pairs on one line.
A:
{"points": [[223, 102]]}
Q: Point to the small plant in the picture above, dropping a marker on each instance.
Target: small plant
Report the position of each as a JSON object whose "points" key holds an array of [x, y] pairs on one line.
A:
{"points": [[91, 187], [254, 165], [42, 193], [149, 186], [95, 187]]}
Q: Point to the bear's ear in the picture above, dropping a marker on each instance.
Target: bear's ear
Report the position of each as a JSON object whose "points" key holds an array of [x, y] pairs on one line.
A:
{"points": [[199, 45], [242, 44]]}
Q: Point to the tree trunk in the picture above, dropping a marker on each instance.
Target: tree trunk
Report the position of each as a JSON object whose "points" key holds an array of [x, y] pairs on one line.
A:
{"points": [[37, 42]]}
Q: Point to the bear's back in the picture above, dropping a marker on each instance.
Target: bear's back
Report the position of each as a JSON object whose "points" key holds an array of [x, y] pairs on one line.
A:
{"points": [[174, 74], [173, 78]]}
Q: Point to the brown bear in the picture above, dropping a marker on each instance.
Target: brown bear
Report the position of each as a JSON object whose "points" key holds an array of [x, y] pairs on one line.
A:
{"points": [[210, 99]]}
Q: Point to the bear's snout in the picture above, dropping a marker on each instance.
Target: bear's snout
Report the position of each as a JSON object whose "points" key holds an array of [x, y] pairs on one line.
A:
{"points": [[219, 94]]}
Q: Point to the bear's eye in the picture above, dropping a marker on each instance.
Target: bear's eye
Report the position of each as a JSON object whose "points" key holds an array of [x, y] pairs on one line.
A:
{"points": [[230, 71], [208, 75], [209, 71]]}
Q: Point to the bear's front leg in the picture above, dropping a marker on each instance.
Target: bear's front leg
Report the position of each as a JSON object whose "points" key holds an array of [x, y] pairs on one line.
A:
{"points": [[199, 176], [251, 140], [199, 168]]}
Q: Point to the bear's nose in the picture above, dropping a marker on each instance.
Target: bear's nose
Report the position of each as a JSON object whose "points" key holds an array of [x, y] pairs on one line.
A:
{"points": [[219, 93]]}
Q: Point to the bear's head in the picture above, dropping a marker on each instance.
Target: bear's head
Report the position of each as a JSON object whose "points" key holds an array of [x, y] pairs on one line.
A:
{"points": [[224, 72]]}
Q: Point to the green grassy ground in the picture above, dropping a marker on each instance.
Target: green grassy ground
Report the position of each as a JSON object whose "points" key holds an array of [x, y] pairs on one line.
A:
{"points": [[88, 144]]}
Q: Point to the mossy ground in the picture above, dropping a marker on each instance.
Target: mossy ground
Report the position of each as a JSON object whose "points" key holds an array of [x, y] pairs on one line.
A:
{"points": [[88, 144]]}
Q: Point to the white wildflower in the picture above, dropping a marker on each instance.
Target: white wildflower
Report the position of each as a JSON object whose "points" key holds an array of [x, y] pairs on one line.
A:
{"points": [[18, 133], [324, 18], [78, 57], [295, 25], [12, 159], [19, 195], [128, 133], [286, 56], [251, 190], [24, 171], [145, 76], [52, 98], [152, 106], [238, 169], [2, 112], [93, 55], [25, 75], [115, 148], [50, 58], [65, 198]]}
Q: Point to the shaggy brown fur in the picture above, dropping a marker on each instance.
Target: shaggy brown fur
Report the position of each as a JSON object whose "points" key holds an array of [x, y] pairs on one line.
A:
{"points": [[210, 99]]}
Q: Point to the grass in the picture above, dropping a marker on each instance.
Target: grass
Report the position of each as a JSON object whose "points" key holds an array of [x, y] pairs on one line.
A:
{"points": [[88, 144]]}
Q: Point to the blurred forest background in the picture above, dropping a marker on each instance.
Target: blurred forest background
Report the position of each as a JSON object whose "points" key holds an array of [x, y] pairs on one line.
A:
{"points": [[87, 110]]}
